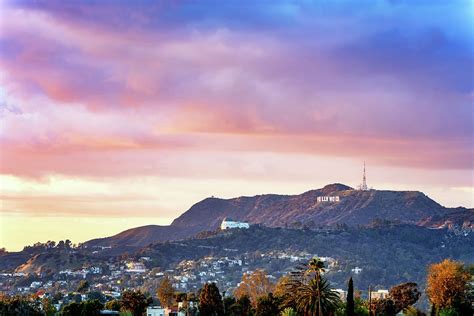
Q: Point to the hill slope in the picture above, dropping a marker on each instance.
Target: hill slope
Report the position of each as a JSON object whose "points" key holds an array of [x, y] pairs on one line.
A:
{"points": [[353, 208]]}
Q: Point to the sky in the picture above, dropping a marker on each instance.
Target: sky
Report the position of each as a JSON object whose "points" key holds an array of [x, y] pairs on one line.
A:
{"points": [[116, 114]]}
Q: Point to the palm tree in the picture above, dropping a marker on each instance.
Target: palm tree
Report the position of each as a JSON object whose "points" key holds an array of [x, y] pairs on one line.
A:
{"points": [[316, 298], [288, 312], [308, 291], [316, 266]]}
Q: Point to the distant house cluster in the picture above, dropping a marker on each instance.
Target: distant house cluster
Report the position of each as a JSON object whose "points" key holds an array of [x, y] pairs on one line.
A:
{"points": [[228, 223]]}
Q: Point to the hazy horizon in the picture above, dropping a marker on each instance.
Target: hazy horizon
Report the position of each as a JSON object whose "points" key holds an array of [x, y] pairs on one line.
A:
{"points": [[117, 115]]}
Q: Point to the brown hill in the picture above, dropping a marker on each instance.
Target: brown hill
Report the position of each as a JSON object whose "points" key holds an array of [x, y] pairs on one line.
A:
{"points": [[353, 208]]}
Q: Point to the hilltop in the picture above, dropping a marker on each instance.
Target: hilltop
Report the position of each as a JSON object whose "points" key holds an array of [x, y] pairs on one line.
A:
{"points": [[354, 208]]}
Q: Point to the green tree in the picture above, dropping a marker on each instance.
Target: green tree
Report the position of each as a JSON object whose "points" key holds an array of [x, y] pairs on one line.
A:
{"points": [[288, 312], [242, 307], [135, 302], [317, 298], [350, 298], [449, 312], [17, 305], [228, 303], [91, 308], [165, 292], [210, 301], [113, 305], [267, 305], [309, 292], [71, 309], [412, 311]]}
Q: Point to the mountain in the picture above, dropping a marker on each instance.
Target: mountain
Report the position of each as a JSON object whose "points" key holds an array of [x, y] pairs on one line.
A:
{"points": [[353, 208], [140, 236], [390, 253]]}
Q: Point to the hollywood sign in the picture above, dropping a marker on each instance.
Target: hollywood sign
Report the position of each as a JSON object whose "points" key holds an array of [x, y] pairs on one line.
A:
{"points": [[328, 198]]}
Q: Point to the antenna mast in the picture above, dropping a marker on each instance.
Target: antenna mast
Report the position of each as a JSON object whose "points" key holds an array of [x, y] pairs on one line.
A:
{"points": [[363, 186]]}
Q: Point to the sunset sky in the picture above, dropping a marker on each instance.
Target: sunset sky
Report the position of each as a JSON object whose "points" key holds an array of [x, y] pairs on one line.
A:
{"points": [[117, 114]]}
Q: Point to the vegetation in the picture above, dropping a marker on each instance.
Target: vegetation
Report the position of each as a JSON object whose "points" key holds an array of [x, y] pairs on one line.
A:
{"points": [[350, 298], [113, 305], [135, 302], [309, 292], [267, 305], [92, 307], [165, 292], [404, 295], [447, 285], [305, 291], [83, 286], [210, 301], [17, 305], [254, 285]]}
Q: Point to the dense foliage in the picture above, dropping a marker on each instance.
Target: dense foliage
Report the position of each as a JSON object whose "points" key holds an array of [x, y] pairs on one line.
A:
{"points": [[210, 301]]}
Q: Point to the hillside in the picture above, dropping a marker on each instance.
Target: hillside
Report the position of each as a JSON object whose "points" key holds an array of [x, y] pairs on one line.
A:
{"points": [[354, 208], [389, 253], [139, 237]]}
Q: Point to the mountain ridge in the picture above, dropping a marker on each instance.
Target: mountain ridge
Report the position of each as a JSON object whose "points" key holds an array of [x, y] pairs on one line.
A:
{"points": [[355, 207]]}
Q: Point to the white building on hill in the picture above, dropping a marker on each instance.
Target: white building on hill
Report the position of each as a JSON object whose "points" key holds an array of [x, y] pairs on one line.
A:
{"points": [[228, 223]]}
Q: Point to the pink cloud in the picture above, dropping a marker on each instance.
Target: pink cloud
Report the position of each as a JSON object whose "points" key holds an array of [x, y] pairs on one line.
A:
{"points": [[98, 101]]}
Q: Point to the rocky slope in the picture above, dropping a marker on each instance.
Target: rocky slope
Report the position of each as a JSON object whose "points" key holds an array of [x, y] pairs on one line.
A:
{"points": [[354, 208]]}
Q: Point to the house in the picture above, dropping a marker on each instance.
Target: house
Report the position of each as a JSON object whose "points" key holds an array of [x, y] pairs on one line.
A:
{"points": [[155, 311], [161, 311], [357, 270], [136, 267], [379, 294], [228, 223]]}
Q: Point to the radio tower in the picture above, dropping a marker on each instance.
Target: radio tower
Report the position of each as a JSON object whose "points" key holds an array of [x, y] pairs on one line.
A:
{"points": [[363, 186]]}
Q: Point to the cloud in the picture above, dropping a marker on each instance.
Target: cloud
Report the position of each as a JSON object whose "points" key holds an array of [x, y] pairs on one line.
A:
{"points": [[104, 89]]}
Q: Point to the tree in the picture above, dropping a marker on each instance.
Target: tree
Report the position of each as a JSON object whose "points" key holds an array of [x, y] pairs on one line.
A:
{"points": [[412, 311], [384, 307], [17, 305], [280, 287], [210, 301], [447, 284], [254, 285], [95, 295], [165, 292], [48, 307], [113, 305], [316, 266], [288, 312], [309, 292], [83, 286], [267, 305], [242, 307], [228, 303], [135, 302], [91, 307], [316, 298], [350, 298], [71, 309], [404, 295]]}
